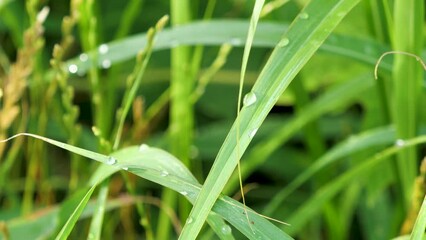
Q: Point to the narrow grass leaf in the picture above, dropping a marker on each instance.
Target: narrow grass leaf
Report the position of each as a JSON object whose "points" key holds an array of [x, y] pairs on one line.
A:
{"points": [[98, 215], [353, 144], [69, 225], [315, 203], [249, 41], [420, 225], [212, 33]]}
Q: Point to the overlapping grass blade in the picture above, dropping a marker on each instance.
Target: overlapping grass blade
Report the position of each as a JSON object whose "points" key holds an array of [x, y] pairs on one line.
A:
{"points": [[296, 47], [315, 203], [365, 140], [347, 92], [420, 225], [69, 225], [162, 168]]}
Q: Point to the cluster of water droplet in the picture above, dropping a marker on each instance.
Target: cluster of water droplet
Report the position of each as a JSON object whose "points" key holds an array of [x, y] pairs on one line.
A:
{"points": [[103, 49]]}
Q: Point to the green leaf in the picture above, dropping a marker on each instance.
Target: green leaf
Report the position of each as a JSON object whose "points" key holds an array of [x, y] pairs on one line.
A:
{"points": [[212, 33], [69, 225], [315, 203], [420, 225], [365, 140]]}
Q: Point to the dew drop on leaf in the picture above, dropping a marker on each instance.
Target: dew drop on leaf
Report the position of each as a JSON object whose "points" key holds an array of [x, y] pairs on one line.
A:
{"points": [[106, 63], [304, 15], [189, 220], [252, 133], [73, 68], [249, 99], [83, 57], [226, 229], [111, 160], [283, 42], [143, 147], [164, 173], [399, 143], [103, 49]]}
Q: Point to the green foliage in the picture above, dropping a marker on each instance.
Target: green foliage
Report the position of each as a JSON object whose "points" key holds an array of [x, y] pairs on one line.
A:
{"points": [[115, 123]]}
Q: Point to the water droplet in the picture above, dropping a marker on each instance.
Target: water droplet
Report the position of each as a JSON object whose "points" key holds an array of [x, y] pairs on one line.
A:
{"points": [[283, 42], [253, 132], [103, 49], [125, 168], [235, 41], [143, 147], [83, 57], [226, 229], [341, 14], [106, 63], [249, 99], [73, 68], [184, 193], [111, 160], [399, 143], [189, 220], [304, 15], [164, 173]]}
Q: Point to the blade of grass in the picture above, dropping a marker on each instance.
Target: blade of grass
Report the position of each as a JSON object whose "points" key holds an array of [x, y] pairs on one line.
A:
{"points": [[321, 196], [98, 216], [212, 33], [69, 225], [420, 225], [365, 140], [407, 82], [249, 42], [181, 122], [292, 52]]}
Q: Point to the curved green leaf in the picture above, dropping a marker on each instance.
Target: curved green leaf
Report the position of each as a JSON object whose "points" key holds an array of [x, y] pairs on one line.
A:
{"points": [[212, 33]]}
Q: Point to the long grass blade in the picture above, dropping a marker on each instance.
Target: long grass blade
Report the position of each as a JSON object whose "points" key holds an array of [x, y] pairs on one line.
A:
{"points": [[420, 225], [69, 225], [315, 202], [212, 33]]}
